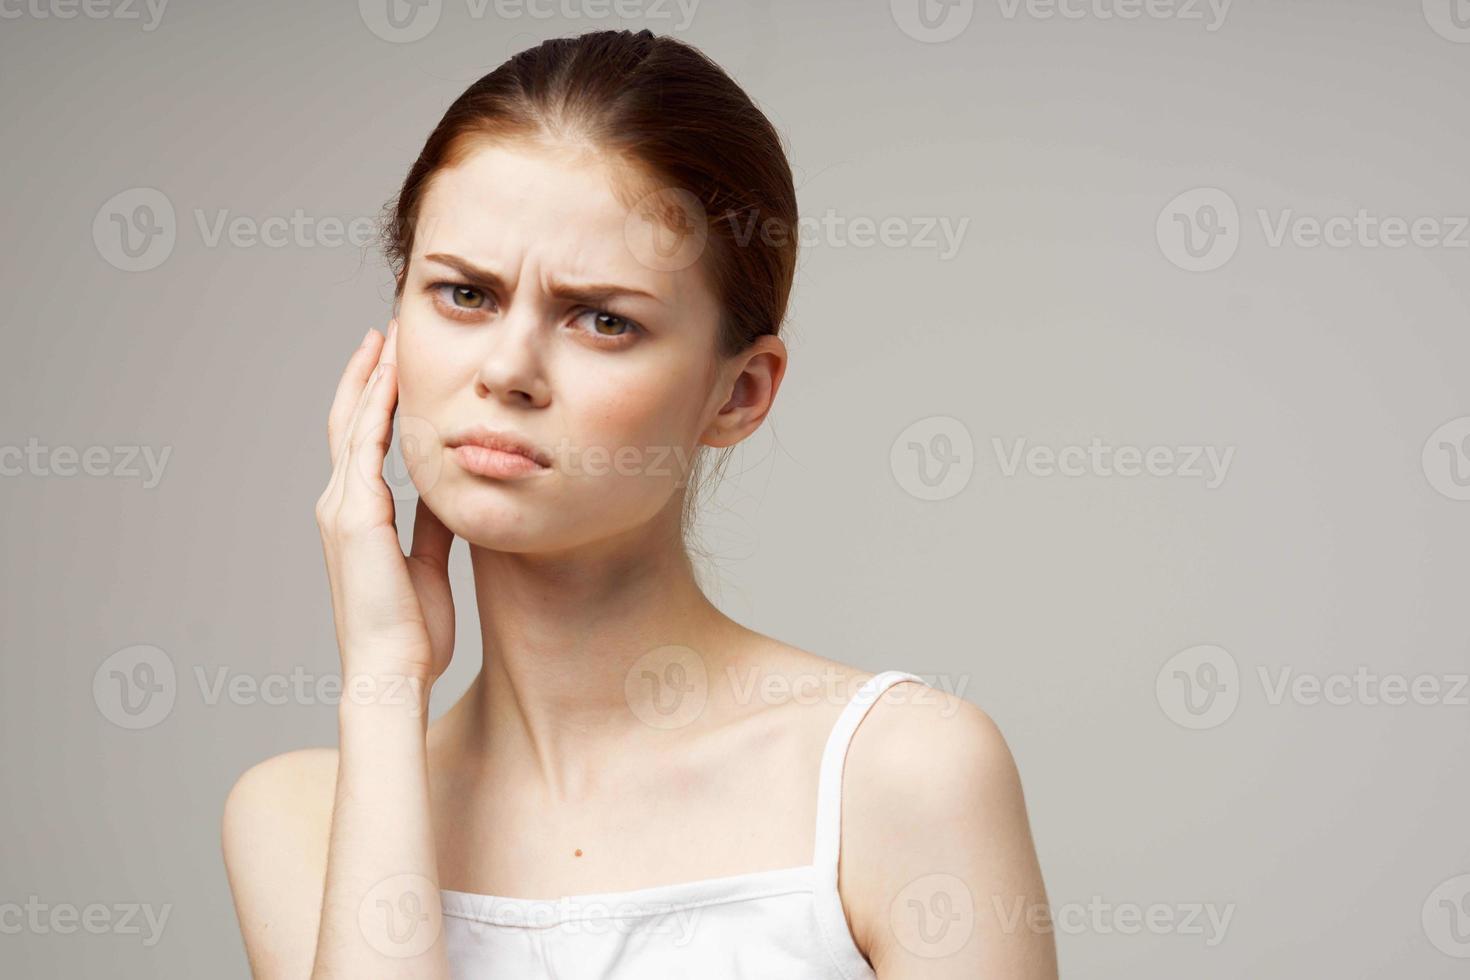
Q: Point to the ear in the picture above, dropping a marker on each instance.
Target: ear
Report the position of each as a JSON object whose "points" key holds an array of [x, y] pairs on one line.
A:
{"points": [[747, 384]]}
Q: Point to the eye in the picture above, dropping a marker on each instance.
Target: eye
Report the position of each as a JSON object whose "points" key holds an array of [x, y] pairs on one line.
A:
{"points": [[608, 326], [461, 300]]}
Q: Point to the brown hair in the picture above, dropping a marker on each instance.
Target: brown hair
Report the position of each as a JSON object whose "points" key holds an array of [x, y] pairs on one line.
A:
{"points": [[676, 118], [662, 106]]}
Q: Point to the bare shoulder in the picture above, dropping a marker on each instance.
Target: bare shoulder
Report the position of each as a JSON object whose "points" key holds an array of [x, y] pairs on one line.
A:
{"points": [[920, 743], [274, 833], [780, 673], [935, 834]]}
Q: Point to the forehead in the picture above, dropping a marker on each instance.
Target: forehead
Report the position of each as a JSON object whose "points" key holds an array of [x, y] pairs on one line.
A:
{"points": [[508, 203]]}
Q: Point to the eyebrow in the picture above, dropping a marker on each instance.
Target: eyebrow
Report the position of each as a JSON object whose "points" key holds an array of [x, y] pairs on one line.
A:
{"points": [[589, 293]]}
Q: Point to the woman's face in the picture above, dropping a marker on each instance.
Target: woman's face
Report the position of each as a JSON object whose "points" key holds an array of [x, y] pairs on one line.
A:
{"points": [[531, 308]]}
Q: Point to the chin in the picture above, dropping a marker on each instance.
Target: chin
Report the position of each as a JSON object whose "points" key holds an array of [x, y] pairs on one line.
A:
{"points": [[487, 515]]}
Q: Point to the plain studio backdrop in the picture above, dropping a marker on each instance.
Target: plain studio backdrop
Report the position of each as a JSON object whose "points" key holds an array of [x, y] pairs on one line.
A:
{"points": [[1127, 399]]}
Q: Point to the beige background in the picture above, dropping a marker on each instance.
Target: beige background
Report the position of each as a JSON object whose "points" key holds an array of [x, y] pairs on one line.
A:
{"points": [[1334, 835]]}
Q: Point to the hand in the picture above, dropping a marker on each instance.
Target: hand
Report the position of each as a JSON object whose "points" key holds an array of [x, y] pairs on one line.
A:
{"points": [[394, 614]]}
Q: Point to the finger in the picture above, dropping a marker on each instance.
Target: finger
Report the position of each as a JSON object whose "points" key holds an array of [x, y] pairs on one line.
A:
{"points": [[350, 385], [342, 454], [431, 539], [362, 402], [372, 432], [343, 461], [390, 344], [349, 390]]}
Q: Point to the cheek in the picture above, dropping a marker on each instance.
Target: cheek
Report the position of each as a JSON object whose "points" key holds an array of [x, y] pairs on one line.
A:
{"points": [[424, 372], [412, 390], [641, 415], [639, 434]]}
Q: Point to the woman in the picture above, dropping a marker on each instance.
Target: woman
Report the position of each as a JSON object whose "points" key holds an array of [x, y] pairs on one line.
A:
{"points": [[593, 256]]}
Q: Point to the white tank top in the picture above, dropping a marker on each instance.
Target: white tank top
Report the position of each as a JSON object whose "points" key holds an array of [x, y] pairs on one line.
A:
{"points": [[786, 924]]}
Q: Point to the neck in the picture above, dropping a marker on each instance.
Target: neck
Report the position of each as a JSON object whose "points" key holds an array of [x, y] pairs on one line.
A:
{"points": [[561, 635]]}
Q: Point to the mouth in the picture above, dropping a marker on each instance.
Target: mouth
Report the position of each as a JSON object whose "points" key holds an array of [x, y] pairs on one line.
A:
{"points": [[497, 454]]}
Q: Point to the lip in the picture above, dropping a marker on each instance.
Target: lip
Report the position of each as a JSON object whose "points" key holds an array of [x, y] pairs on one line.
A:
{"points": [[489, 452]]}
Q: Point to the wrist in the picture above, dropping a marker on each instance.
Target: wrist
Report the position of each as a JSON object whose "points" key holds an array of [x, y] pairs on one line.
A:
{"points": [[380, 689]]}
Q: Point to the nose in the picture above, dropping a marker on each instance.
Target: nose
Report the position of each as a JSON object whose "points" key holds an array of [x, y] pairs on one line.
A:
{"points": [[512, 368]]}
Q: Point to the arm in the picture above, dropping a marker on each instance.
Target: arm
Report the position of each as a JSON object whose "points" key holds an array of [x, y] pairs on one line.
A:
{"points": [[380, 908], [944, 883], [275, 849], [371, 869]]}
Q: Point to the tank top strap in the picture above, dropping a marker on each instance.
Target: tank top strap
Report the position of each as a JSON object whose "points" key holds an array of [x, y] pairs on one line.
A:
{"points": [[834, 756]]}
